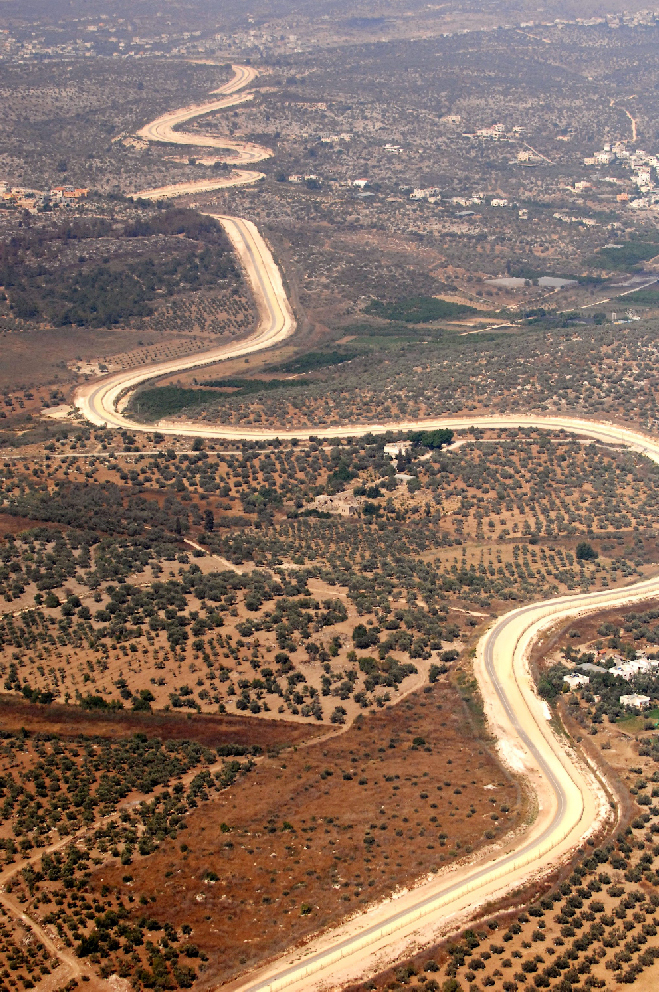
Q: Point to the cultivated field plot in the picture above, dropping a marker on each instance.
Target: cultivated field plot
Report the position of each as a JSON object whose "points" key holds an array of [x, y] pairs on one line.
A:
{"points": [[210, 579], [355, 816]]}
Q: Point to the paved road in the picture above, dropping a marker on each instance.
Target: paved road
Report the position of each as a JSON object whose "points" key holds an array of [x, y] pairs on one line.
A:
{"points": [[571, 802], [238, 177], [230, 95], [241, 152], [100, 400]]}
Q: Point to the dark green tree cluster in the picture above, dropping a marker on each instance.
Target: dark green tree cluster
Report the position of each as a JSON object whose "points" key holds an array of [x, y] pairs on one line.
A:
{"points": [[131, 275], [418, 309]]}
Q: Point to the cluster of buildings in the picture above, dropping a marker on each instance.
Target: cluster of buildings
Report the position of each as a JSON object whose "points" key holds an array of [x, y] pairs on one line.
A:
{"points": [[629, 316], [641, 665], [326, 138], [89, 37], [571, 219], [35, 199], [433, 195], [495, 132], [64, 194], [297, 178], [643, 167]]}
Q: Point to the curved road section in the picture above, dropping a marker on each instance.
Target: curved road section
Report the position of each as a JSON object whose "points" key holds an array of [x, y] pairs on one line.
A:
{"points": [[100, 401], [240, 152], [239, 177], [570, 805], [570, 802], [230, 95]]}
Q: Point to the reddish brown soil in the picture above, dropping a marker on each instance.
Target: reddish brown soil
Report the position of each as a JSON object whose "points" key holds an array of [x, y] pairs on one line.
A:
{"points": [[304, 848], [208, 729], [15, 525]]}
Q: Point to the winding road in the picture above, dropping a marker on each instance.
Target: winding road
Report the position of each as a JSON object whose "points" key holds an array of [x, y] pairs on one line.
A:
{"points": [[230, 95], [571, 801], [163, 130], [100, 401]]}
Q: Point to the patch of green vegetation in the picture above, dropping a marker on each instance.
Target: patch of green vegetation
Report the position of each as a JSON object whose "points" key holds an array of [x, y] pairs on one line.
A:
{"points": [[165, 401], [115, 278], [315, 360], [551, 683], [586, 552], [647, 297], [625, 255], [432, 439], [418, 309], [247, 387], [399, 331]]}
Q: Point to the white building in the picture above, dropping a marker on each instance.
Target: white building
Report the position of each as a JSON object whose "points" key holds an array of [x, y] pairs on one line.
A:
{"points": [[635, 701], [574, 681], [628, 669], [396, 448]]}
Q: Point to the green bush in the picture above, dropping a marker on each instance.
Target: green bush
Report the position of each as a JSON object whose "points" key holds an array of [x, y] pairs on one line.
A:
{"points": [[586, 552]]}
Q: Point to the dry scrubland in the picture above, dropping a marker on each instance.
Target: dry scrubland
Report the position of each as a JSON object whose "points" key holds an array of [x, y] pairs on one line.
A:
{"points": [[356, 816], [186, 634], [594, 925], [66, 121], [149, 589], [200, 580]]}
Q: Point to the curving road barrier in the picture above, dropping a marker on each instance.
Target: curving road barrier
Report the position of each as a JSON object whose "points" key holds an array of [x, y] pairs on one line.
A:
{"points": [[99, 401], [571, 802]]}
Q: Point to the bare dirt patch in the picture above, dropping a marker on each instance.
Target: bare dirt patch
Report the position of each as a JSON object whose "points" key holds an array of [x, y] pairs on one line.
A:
{"points": [[208, 729], [300, 843]]}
